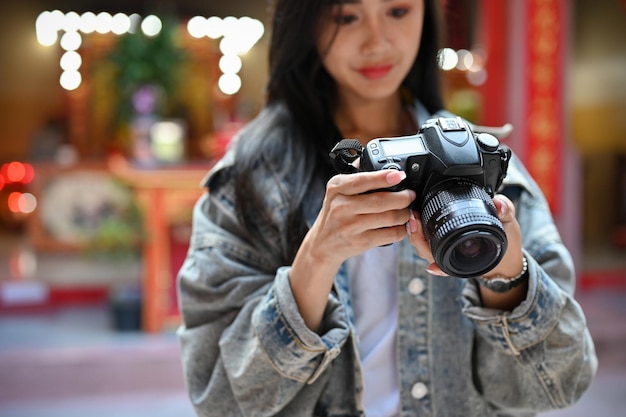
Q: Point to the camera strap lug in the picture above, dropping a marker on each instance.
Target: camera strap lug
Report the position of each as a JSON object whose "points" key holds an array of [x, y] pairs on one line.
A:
{"points": [[344, 153]]}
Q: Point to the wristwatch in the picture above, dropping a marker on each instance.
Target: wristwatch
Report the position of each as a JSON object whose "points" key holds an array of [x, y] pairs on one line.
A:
{"points": [[502, 284]]}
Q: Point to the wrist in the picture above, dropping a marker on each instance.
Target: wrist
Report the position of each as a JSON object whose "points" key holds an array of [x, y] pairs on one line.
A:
{"points": [[502, 284]]}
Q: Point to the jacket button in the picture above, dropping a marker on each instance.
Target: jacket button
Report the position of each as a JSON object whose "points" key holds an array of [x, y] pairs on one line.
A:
{"points": [[416, 286], [419, 390]]}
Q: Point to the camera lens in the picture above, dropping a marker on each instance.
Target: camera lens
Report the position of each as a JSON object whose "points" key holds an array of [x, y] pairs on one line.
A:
{"points": [[473, 252], [460, 221]]}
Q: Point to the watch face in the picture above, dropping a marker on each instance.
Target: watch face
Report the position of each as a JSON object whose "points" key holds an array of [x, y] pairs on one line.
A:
{"points": [[74, 204], [497, 285]]}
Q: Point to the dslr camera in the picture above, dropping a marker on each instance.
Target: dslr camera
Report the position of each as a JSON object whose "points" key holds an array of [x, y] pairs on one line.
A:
{"points": [[455, 173]]}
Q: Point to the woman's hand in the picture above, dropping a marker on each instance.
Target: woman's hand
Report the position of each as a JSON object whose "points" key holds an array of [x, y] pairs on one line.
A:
{"points": [[512, 262], [510, 265], [353, 220], [350, 222]]}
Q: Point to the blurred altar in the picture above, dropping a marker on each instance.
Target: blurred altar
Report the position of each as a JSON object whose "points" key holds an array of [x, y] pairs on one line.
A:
{"points": [[142, 107]]}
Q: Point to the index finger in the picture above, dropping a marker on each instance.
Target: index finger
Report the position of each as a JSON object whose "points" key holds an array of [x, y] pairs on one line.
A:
{"points": [[361, 182]]}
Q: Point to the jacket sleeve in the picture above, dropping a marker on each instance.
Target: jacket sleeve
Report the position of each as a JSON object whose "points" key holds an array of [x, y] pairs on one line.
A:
{"points": [[542, 350], [244, 346]]}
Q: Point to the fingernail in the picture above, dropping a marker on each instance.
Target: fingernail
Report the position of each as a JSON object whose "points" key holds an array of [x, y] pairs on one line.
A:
{"points": [[504, 207], [501, 206], [434, 272]]}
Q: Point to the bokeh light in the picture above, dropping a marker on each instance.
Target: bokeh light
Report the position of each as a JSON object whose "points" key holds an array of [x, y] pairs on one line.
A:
{"points": [[120, 24], [70, 80], [151, 26], [229, 83], [230, 64], [214, 27], [71, 41], [238, 35], [104, 22], [88, 22], [71, 61], [196, 26], [448, 59]]}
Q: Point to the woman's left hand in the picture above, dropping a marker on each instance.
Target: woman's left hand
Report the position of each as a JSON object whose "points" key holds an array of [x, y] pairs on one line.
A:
{"points": [[512, 261]]}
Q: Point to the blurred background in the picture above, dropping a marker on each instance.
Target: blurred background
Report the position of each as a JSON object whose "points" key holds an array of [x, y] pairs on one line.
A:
{"points": [[111, 112]]}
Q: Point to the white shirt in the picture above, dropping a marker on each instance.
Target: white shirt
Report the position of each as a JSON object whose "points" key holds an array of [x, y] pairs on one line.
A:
{"points": [[374, 296]]}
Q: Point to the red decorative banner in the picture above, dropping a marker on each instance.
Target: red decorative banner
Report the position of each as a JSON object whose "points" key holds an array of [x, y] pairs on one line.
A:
{"points": [[544, 102]]}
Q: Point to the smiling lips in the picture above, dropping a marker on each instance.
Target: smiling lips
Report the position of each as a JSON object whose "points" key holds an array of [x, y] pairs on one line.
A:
{"points": [[375, 72]]}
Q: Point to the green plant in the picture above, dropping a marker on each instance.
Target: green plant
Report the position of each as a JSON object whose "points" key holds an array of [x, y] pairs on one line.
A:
{"points": [[142, 61]]}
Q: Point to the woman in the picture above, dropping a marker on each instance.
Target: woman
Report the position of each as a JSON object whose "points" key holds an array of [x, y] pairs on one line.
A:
{"points": [[303, 294]]}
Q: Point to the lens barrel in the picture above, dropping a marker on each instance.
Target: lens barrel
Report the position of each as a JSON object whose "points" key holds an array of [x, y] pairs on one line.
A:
{"points": [[460, 221]]}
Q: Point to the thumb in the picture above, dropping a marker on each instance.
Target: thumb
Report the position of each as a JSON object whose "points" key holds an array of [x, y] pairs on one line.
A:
{"points": [[504, 207]]}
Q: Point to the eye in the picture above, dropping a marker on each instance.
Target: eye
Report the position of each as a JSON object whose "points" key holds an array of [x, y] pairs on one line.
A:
{"points": [[398, 12], [344, 19]]}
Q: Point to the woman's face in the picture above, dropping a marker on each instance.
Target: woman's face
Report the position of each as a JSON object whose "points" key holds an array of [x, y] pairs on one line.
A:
{"points": [[369, 46]]}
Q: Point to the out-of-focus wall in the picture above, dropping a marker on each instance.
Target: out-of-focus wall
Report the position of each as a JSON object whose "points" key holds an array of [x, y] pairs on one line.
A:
{"points": [[598, 76], [598, 113]]}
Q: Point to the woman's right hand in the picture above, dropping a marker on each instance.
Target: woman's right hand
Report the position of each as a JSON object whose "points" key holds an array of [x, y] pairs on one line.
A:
{"points": [[350, 222]]}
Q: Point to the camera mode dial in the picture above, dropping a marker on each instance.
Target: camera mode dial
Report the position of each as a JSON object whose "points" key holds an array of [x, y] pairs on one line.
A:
{"points": [[488, 142]]}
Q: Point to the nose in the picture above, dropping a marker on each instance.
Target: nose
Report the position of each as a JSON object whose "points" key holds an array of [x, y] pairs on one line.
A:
{"points": [[376, 39]]}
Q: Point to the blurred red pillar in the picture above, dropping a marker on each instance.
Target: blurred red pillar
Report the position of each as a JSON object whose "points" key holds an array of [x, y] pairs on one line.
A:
{"points": [[493, 37], [525, 48], [546, 37]]}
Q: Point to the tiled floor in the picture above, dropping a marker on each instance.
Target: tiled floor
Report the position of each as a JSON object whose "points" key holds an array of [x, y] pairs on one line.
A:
{"points": [[70, 362]]}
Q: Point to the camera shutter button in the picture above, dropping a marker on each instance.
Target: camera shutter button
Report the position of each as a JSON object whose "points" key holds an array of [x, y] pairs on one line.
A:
{"points": [[488, 142], [392, 166]]}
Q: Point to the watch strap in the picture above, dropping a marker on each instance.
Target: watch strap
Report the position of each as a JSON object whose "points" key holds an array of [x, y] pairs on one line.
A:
{"points": [[502, 284]]}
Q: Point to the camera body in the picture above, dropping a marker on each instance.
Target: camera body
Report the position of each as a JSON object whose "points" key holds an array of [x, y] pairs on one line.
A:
{"points": [[444, 149], [455, 173]]}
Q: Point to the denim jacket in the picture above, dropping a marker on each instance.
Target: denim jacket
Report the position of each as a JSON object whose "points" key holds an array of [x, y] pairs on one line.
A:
{"points": [[246, 350]]}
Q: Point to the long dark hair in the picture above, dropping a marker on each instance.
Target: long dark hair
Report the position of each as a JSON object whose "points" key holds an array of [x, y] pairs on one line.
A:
{"points": [[299, 83]]}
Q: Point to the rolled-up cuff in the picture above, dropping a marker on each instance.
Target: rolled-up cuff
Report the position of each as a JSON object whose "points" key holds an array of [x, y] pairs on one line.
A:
{"points": [[529, 323], [295, 350]]}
